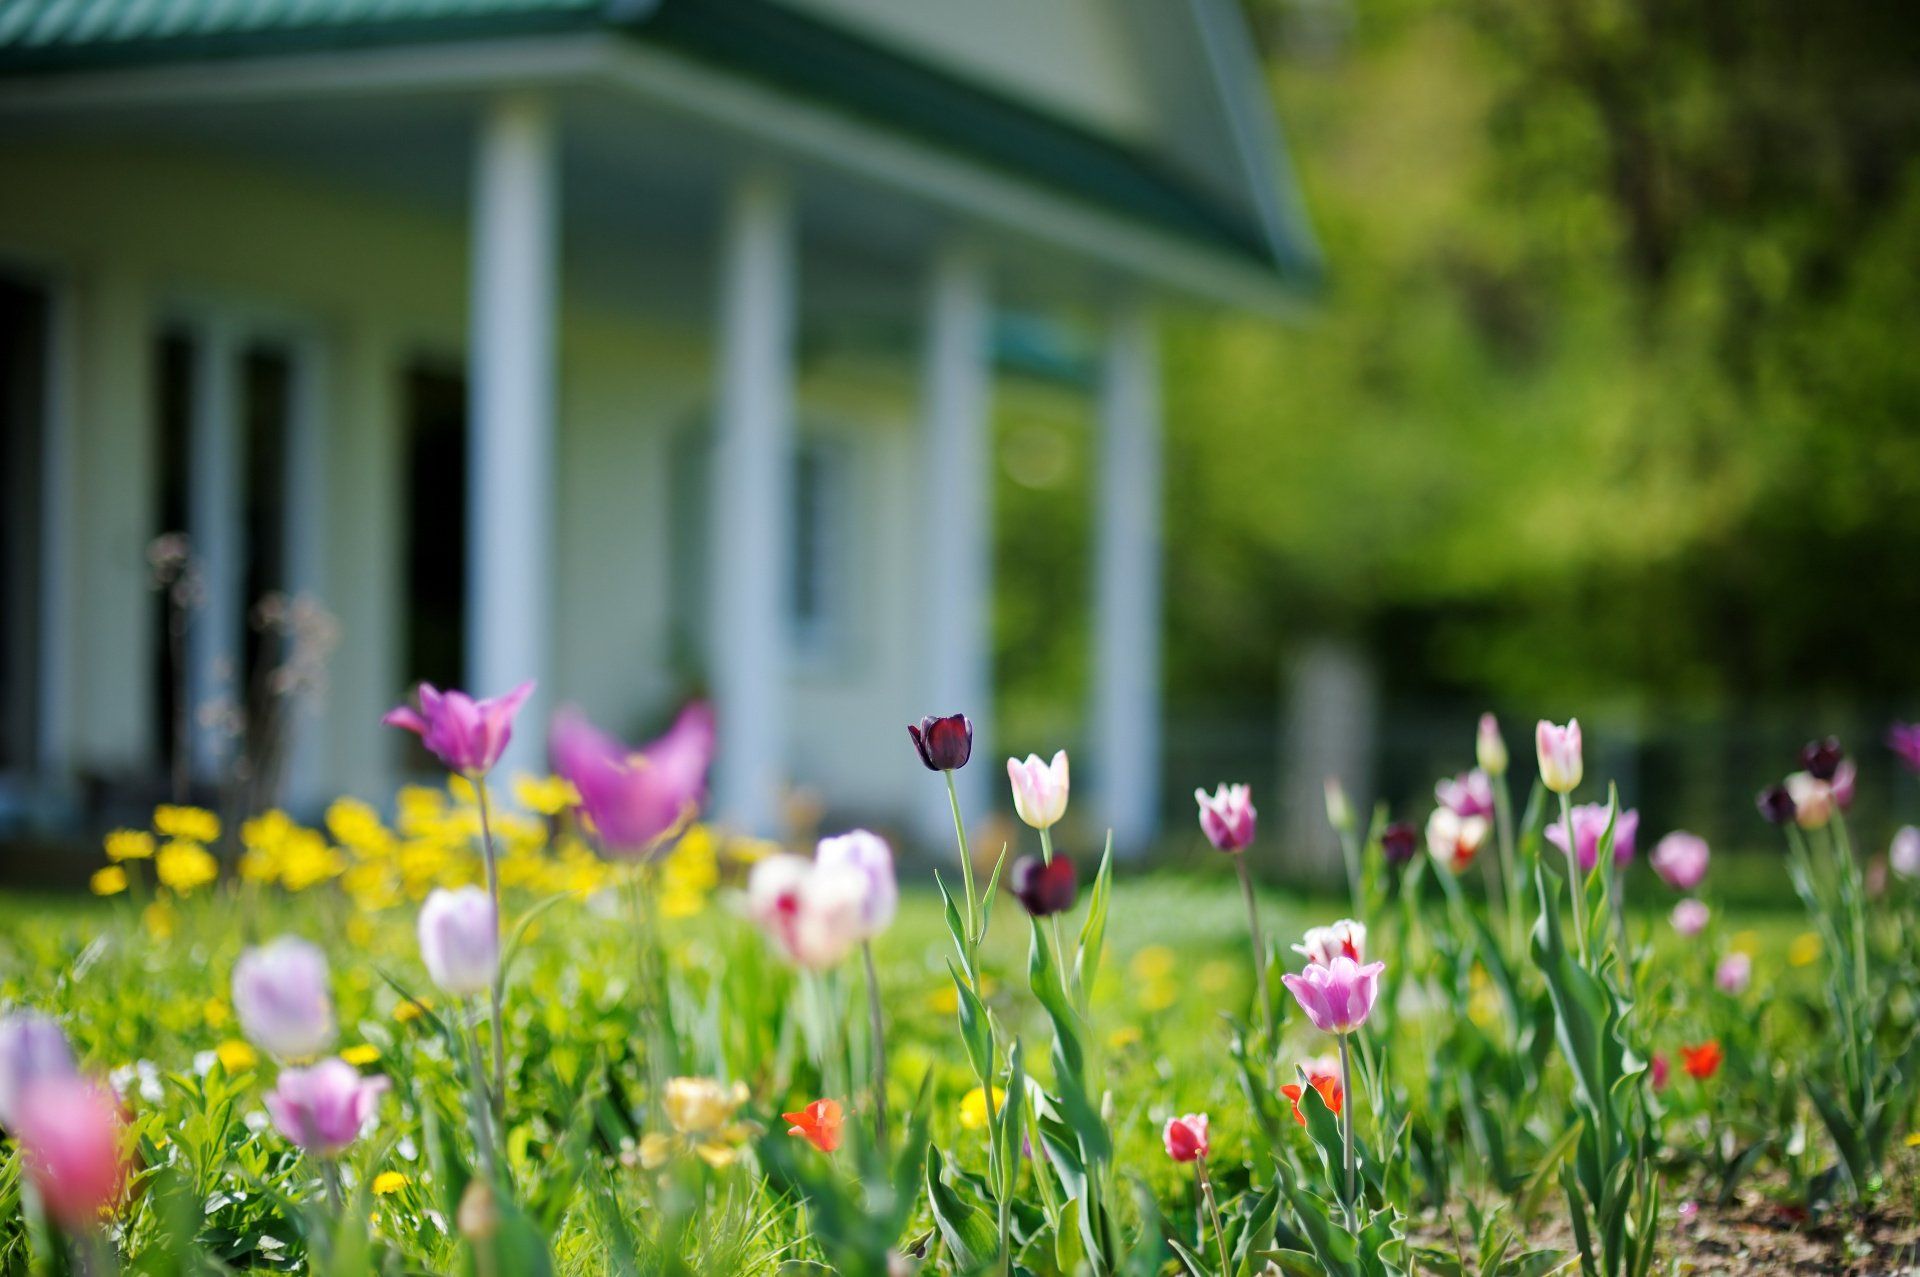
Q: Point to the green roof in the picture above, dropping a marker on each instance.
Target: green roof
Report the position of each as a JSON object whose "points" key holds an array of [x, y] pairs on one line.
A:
{"points": [[767, 41]]}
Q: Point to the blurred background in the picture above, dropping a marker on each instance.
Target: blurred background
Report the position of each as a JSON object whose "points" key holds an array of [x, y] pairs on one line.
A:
{"points": [[1222, 391]]}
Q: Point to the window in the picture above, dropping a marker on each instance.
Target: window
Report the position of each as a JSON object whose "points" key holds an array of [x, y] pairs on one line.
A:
{"points": [[436, 523]]}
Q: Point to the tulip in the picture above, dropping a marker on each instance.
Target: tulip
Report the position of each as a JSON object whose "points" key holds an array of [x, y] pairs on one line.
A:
{"points": [[1589, 825], [868, 855], [944, 744], [1339, 809], [1042, 887], [1453, 839], [1733, 974], [1822, 758], [1904, 854], [1559, 755], [1689, 917], [819, 1123], [636, 800], [1399, 842], [324, 1108], [32, 1049], [1186, 1137], [460, 940], [280, 995], [1703, 1061], [1680, 859], [1323, 944], [1323, 1076], [813, 913], [1227, 816], [1468, 794], [1489, 747], [1658, 1070], [1775, 804], [1039, 789], [1812, 800], [71, 1133], [467, 735], [1339, 996], [1904, 740], [1842, 784]]}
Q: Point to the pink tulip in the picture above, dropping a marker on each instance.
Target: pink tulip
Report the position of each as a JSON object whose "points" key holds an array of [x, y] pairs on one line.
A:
{"points": [[32, 1049], [1589, 824], [1733, 974], [1680, 859], [1227, 816], [1322, 945], [1844, 777], [70, 1132], [280, 996], [1039, 789], [1904, 740], [324, 1108], [868, 855], [1453, 840], [1813, 801], [1339, 996], [1489, 747], [1689, 917], [813, 913], [635, 800], [467, 735], [1660, 1070], [1186, 1137], [1468, 794], [460, 940], [1558, 749]]}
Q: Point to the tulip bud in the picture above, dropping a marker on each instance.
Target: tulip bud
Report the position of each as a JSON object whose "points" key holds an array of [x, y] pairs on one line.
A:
{"points": [[1680, 859], [1043, 888], [1399, 842], [478, 1217], [1821, 758], [1689, 917], [460, 940], [280, 995], [1733, 974], [70, 1132], [1489, 747], [1227, 816], [1904, 854], [944, 744], [1186, 1137], [868, 855], [1558, 749], [1812, 800], [1039, 789], [324, 1108], [1339, 810], [1775, 804], [32, 1049]]}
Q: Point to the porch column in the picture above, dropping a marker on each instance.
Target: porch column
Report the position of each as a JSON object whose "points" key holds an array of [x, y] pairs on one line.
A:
{"points": [[511, 352], [216, 631], [751, 499], [1126, 711], [956, 502]]}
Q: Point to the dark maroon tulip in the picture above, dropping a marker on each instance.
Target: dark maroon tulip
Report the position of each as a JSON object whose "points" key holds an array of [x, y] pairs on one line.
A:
{"points": [[1043, 888], [1399, 842], [1776, 804], [1821, 758], [945, 744]]}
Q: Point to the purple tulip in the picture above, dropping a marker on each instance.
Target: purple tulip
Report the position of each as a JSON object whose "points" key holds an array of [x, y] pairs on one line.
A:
{"points": [[1822, 757], [868, 855], [280, 995], [460, 940], [1043, 888], [1468, 794], [1589, 823], [635, 800], [1775, 804], [1399, 842], [1227, 816], [1844, 777], [1904, 740], [32, 1049], [323, 1109], [1689, 917], [1680, 859], [1339, 996], [467, 735], [944, 744], [1733, 974]]}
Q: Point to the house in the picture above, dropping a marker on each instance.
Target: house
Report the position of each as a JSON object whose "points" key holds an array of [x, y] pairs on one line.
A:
{"points": [[639, 346]]}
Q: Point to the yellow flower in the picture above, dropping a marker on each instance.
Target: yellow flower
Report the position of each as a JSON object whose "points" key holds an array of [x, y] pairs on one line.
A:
{"points": [[702, 1106], [1805, 949], [945, 999], [159, 919], [1123, 1037], [1913, 1140], [973, 1108], [184, 866], [1158, 994], [236, 1055], [1155, 962], [545, 795], [357, 825], [746, 851], [129, 844], [387, 1183], [191, 824], [461, 788], [411, 1010], [361, 1054], [1747, 942], [215, 1012], [110, 881], [655, 1149]]}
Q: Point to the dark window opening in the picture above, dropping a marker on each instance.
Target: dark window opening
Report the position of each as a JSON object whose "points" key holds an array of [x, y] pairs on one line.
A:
{"points": [[24, 322], [436, 532]]}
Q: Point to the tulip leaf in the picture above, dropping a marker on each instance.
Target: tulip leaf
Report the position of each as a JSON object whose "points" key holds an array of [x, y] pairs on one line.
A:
{"points": [[1013, 1122], [1194, 1264], [976, 1030], [967, 1230], [956, 926], [1093, 931], [991, 894]]}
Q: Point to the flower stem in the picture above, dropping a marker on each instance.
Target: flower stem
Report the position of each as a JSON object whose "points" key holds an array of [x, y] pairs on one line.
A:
{"points": [[1503, 831], [330, 1175], [1213, 1208], [1059, 948], [496, 994], [1575, 882], [878, 1031], [1259, 946], [1346, 1132], [966, 865], [482, 1110]]}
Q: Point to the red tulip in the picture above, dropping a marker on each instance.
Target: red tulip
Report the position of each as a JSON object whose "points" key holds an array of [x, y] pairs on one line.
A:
{"points": [[1186, 1137], [818, 1124], [1703, 1061], [1327, 1084], [1042, 887]]}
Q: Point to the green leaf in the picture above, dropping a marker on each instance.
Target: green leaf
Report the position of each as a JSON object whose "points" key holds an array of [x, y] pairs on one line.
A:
{"points": [[976, 1030], [1093, 931], [968, 1231]]}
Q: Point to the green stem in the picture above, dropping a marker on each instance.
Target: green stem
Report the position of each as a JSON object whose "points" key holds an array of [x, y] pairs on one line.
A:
{"points": [[482, 1110], [1059, 947], [1213, 1208], [1259, 948], [877, 1030], [1576, 882], [1346, 1133], [966, 870], [496, 994], [1503, 832]]}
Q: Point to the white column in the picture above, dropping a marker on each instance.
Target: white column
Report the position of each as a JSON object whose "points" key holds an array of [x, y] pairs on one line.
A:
{"points": [[1126, 711], [956, 518], [511, 355], [751, 499], [216, 629]]}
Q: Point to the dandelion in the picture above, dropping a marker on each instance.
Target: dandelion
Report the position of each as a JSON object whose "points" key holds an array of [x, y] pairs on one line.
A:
{"points": [[236, 1056], [129, 844], [387, 1183], [189, 824], [110, 880], [974, 1113], [184, 867], [361, 1054]]}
